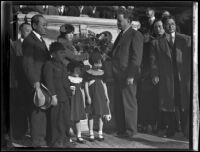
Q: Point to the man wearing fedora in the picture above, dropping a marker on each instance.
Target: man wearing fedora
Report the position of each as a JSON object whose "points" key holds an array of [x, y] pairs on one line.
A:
{"points": [[35, 54]]}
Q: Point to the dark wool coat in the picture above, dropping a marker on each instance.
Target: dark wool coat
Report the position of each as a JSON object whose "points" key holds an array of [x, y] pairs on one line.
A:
{"points": [[161, 66]]}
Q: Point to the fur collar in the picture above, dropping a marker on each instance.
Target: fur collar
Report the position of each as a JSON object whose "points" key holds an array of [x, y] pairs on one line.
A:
{"points": [[75, 79], [95, 72]]}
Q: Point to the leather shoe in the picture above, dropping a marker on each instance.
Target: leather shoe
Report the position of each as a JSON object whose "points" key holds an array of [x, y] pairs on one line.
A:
{"points": [[81, 140]]}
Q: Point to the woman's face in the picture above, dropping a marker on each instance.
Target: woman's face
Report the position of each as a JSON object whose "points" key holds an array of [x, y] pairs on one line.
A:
{"points": [[158, 28], [70, 36]]}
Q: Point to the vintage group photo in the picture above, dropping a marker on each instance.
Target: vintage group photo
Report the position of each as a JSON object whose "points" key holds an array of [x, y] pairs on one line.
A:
{"points": [[100, 76]]}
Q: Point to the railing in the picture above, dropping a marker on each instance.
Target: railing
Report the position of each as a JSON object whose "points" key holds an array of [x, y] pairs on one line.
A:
{"points": [[97, 25]]}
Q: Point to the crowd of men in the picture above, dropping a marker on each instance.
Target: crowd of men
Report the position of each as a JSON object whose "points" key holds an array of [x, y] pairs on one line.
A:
{"points": [[151, 72]]}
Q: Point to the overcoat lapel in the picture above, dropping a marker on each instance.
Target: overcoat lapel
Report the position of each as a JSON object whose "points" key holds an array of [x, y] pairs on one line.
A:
{"points": [[164, 45]]}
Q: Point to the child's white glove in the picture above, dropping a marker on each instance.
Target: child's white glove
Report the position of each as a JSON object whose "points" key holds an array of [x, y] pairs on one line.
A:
{"points": [[54, 101], [73, 88], [107, 117]]}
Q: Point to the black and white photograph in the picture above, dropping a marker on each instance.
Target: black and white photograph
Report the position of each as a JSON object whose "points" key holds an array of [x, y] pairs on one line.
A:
{"points": [[99, 75]]}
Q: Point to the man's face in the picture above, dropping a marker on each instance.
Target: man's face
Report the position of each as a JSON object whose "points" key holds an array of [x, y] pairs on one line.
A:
{"points": [[165, 13], [149, 13], [40, 28], [158, 28], [26, 30], [122, 22], [170, 26]]}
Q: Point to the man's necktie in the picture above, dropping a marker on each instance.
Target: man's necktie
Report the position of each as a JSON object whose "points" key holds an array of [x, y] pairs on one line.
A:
{"points": [[171, 40], [43, 40]]}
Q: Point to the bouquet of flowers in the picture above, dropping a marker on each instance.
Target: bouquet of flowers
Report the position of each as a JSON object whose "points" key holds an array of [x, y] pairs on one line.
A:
{"points": [[93, 41]]}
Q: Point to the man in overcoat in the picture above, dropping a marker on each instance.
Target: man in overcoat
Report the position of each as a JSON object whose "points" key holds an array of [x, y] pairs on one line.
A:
{"points": [[19, 111], [126, 59], [171, 70], [35, 54]]}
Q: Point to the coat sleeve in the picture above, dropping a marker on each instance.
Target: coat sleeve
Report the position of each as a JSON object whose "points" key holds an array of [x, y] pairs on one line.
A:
{"points": [[70, 55], [135, 55], [48, 77], [153, 60], [28, 62]]}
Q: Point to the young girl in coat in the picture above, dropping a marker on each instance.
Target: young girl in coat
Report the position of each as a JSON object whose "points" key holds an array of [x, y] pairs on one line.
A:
{"points": [[77, 104], [97, 95]]}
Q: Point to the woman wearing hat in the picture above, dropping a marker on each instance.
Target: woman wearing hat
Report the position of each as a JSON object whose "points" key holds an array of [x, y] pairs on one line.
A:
{"points": [[66, 37]]}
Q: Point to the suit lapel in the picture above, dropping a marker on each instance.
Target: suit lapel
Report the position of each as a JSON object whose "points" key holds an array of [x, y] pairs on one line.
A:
{"points": [[118, 43], [42, 45]]}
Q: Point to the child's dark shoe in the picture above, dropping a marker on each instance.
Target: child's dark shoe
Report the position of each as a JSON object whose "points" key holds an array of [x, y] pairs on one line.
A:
{"points": [[81, 140], [91, 138], [100, 137]]}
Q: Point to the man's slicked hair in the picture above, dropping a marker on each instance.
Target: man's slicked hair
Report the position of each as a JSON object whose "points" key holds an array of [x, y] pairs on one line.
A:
{"points": [[35, 19], [126, 13], [21, 25], [166, 18]]}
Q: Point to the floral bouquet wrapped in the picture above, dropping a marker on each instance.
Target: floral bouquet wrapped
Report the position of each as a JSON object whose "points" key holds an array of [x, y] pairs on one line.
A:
{"points": [[93, 41]]}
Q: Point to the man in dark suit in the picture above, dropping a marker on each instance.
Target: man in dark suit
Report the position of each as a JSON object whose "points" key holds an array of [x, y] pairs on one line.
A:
{"points": [[126, 60], [19, 107], [35, 54], [170, 64]]}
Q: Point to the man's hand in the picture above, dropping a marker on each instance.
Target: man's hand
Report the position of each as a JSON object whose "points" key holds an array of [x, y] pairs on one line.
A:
{"points": [[129, 81], [54, 101], [89, 100], [36, 85], [155, 80]]}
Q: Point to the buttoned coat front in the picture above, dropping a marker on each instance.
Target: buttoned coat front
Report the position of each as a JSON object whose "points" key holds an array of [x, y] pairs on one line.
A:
{"points": [[127, 54]]}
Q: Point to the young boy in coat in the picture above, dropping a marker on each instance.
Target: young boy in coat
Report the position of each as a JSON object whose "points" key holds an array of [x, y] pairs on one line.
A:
{"points": [[55, 75]]}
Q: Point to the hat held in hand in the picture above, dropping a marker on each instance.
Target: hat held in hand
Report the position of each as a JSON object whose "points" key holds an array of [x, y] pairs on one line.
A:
{"points": [[42, 97]]}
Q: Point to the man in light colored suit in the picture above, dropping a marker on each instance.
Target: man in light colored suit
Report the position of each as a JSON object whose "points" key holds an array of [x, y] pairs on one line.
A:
{"points": [[126, 59]]}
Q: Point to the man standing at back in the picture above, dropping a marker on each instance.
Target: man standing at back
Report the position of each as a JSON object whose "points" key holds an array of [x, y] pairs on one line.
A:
{"points": [[19, 107], [35, 54], [126, 58]]}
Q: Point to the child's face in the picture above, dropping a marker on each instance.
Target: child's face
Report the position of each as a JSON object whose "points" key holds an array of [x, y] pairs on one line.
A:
{"points": [[98, 64], [70, 36], [77, 71], [59, 55]]}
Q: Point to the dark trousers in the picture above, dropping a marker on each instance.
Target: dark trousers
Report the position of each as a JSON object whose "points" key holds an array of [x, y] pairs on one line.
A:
{"points": [[19, 113], [38, 125], [60, 121], [125, 107], [38, 121], [167, 119]]}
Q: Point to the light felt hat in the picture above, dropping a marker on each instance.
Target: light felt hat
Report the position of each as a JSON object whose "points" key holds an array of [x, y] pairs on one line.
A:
{"points": [[42, 97]]}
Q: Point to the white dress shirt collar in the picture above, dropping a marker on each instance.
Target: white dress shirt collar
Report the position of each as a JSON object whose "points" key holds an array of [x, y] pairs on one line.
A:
{"points": [[37, 35], [126, 29], [173, 34], [21, 39]]}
